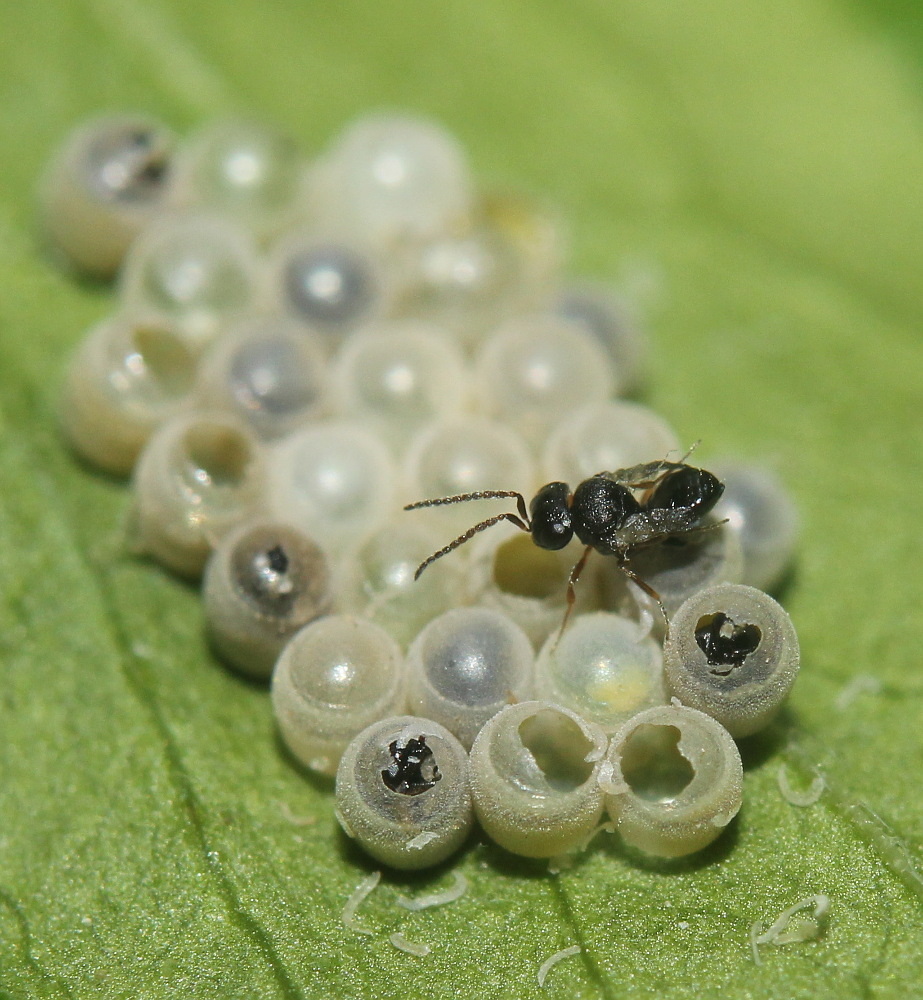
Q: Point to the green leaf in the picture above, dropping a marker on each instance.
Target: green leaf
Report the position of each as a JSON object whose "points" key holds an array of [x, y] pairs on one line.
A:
{"points": [[750, 173]]}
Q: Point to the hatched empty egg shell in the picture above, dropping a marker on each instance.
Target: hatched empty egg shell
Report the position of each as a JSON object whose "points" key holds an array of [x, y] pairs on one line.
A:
{"points": [[403, 792], [733, 653], [197, 477], [534, 777], [126, 378], [673, 780]]}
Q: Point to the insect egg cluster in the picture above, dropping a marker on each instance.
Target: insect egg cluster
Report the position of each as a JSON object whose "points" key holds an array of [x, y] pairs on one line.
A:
{"points": [[300, 349]]}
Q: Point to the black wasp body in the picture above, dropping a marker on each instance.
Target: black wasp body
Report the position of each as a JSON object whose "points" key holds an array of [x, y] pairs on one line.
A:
{"points": [[614, 513]]}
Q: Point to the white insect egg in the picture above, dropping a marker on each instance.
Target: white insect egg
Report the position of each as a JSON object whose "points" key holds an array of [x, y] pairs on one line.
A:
{"points": [[109, 179], [242, 168], [509, 572], [534, 777], [762, 513], [126, 378], [334, 480], [331, 283], [394, 179], [465, 666], [268, 371], [398, 377], [536, 232], [601, 669], [398, 779], [193, 268], [197, 477], [264, 581], [733, 653], [377, 579], [534, 370], [334, 677], [469, 281], [599, 310], [605, 436], [453, 457], [673, 780]]}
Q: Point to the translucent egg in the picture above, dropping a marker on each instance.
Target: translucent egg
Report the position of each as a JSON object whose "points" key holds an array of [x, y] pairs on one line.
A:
{"points": [[242, 168], [398, 377], [732, 653], [198, 476], [269, 372], [377, 581], [459, 456], [466, 283], [599, 310], [331, 284], [535, 370], [109, 179], [602, 669], [534, 771], [263, 582], [533, 229], [334, 677], [673, 780], [127, 377], [763, 514], [465, 666], [509, 572], [605, 436], [403, 792], [194, 269], [394, 178], [335, 481]]}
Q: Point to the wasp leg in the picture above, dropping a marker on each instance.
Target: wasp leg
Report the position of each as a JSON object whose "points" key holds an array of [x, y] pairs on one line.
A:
{"points": [[571, 590], [645, 586]]}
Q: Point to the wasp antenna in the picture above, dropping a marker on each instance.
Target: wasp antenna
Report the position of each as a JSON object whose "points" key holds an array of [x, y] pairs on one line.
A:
{"points": [[479, 495], [470, 533]]}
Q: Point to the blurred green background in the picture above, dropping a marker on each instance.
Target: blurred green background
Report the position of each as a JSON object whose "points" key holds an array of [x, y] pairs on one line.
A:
{"points": [[750, 175]]}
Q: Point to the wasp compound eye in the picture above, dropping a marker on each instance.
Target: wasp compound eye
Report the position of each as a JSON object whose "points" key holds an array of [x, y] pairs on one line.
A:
{"points": [[465, 666], [335, 677], [673, 780], [534, 769], [550, 516], [402, 792], [732, 653], [263, 582]]}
